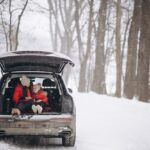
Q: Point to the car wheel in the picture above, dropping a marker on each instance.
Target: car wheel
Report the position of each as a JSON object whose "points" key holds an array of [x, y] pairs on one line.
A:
{"points": [[68, 141]]}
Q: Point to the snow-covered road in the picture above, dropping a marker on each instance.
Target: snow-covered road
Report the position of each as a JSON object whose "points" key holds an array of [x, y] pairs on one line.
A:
{"points": [[103, 123]]}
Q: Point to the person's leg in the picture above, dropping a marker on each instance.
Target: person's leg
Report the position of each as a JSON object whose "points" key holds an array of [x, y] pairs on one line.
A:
{"points": [[23, 106], [28, 105], [20, 106]]}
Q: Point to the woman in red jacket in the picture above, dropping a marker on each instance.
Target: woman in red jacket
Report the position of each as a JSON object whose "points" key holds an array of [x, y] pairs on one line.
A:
{"points": [[22, 96], [40, 99]]}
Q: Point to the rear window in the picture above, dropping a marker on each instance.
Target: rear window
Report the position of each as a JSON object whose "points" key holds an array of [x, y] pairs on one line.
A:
{"points": [[45, 82]]}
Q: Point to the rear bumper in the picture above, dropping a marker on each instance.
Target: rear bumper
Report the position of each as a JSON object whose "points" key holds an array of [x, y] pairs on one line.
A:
{"points": [[62, 131], [50, 126]]}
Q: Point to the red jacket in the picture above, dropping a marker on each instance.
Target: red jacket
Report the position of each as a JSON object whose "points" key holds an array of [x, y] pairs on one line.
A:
{"points": [[18, 93], [40, 95]]}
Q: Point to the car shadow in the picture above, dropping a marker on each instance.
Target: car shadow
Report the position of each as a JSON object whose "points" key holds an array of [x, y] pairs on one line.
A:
{"points": [[37, 143]]}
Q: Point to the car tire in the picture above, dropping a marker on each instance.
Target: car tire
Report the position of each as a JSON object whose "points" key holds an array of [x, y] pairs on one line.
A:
{"points": [[68, 141]]}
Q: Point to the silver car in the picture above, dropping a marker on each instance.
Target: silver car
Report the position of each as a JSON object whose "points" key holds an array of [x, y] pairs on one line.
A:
{"points": [[58, 119]]}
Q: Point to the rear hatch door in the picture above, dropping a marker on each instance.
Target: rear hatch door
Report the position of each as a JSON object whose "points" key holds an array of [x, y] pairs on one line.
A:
{"points": [[34, 61]]}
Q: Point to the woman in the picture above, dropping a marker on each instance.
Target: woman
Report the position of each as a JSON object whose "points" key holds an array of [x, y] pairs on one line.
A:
{"points": [[22, 96]]}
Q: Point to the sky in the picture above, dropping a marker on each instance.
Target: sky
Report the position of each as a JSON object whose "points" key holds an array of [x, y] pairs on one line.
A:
{"points": [[34, 29]]}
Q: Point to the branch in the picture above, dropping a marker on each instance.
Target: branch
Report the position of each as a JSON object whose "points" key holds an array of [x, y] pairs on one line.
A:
{"points": [[10, 23], [62, 17], [2, 1], [79, 38], [16, 10], [55, 16], [18, 25], [46, 9], [4, 28]]}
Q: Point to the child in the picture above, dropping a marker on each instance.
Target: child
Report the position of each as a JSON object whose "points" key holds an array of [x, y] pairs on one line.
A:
{"points": [[40, 99]]}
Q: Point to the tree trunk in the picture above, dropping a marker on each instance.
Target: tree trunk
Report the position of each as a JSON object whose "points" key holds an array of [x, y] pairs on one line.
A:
{"points": [[130, 76], [77, 25], [66, 47], [118, 50], [56, 29], [144, 51], [84, 63], [82, 79], [98, 84], [10, 25], [5, 32]]}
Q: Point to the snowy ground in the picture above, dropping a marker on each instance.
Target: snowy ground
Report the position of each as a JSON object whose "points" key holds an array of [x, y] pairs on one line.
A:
{"points": [[104, 123]]}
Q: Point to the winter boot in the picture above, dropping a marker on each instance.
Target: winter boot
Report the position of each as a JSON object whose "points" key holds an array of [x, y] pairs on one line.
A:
{"points": [[34, 109], [15, 112], [39, 109]]}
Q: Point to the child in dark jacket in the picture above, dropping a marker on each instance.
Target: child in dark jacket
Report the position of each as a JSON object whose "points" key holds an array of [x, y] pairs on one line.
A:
{"points": [[40, 99]]}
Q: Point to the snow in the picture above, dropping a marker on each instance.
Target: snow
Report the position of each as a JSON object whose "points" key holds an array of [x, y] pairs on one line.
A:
{"points": [[105, 123], [109, 123]]}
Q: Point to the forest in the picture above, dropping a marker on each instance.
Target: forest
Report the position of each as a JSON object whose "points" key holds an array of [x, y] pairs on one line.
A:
{"points": [[105, 38]]}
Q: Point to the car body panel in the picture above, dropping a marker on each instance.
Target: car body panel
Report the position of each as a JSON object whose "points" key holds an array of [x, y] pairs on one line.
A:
{"points": [[45, 125]]}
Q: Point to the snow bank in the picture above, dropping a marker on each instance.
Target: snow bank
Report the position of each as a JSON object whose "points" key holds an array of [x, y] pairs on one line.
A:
{"points": [[110, 123]]}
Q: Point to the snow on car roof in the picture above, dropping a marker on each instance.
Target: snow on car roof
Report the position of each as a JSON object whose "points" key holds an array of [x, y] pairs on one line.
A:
{"points": [[36, 53]]}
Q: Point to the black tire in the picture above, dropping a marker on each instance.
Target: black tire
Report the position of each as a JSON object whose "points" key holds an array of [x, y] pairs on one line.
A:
{"points": [[68, 141]]}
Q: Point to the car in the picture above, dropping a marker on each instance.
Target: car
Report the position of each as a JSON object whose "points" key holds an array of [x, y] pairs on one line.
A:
{"points": [[58, 119]]}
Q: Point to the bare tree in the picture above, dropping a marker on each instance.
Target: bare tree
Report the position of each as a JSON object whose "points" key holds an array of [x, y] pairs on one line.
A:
{"points": [[79, 39], [72, 29], [118, 49], [131, 65], [98, 84], [18, 24], [144, 53], [62, 33], [11, 22], [85, 57], [4, 29]]}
